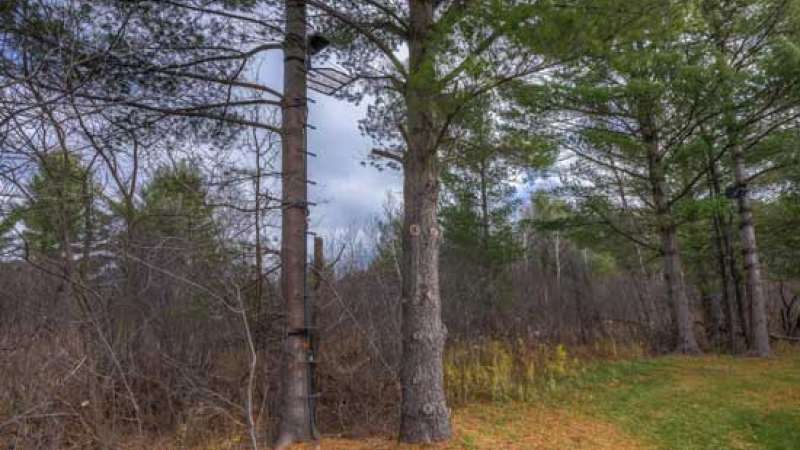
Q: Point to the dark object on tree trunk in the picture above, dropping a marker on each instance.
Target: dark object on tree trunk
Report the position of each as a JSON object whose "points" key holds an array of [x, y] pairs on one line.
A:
{"points": [[316, 43], [735, 191]]}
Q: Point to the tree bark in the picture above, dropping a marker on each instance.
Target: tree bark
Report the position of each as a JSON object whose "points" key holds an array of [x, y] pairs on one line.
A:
{"points": [[728, 308], [296, 423], [676, 292], [759, 344], [736, 277], [721, 247], [673, 272], [424, 413]]}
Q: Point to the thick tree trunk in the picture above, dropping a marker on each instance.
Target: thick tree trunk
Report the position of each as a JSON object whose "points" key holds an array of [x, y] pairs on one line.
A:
{"points": [[759, 344], [296, 423], [673, 272], [424, 413], [425, 417]]}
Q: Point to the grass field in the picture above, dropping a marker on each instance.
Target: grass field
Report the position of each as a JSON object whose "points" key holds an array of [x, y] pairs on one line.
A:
{"points": [[699, 403]]}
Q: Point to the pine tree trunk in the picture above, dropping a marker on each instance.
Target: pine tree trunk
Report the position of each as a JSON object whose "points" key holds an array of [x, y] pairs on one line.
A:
{"points": [[736, 277], [720, 247], [425, 417], [728, 308], [676, 292], [295, 424], [758, 309], [673, 272], [424, 413]]}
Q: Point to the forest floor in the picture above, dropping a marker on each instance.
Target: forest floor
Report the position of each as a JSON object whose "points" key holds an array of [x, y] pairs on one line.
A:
{"points": [[682, 403]]}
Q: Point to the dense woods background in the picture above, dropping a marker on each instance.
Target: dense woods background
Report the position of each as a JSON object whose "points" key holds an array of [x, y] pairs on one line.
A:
{"points": [[583, 179]]}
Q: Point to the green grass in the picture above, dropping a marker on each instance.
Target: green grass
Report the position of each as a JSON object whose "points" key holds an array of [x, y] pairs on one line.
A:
{"points": [[696, 403]]}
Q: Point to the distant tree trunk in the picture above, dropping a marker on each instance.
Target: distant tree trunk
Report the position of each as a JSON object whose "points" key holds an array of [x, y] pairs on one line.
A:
{"points": [[758, 307], [484, 210], [720, 247], [713, 309], [673, 272], [295, 424], [643, 291], [319, 275], [728, 308], [490, 271], [586, 314], [736, 277], [557, 250], [790, 321], [259, 287], [676, 292], [424, 413]]}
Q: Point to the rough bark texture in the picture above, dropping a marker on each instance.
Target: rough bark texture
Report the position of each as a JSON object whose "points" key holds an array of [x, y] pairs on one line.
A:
{"points": [[759, 344], [425, 416], [295, 424], [424, 413], [673, 272]]}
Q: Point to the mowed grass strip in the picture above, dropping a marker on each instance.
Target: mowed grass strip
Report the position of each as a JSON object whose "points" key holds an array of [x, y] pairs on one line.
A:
{"points": [[710, 402], [669, 403]]}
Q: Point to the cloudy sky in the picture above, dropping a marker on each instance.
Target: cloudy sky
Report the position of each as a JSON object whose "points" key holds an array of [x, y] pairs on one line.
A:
{"points": [[347, 194]]}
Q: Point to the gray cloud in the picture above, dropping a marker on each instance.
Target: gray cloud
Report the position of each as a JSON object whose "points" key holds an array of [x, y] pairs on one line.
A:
{"points": [[346, 193]]}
